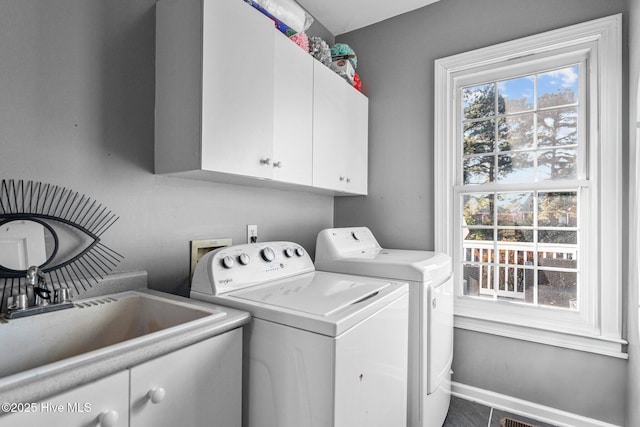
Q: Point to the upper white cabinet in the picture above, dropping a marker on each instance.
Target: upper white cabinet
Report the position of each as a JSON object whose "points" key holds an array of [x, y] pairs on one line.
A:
{"points": [[292, 119], [214, 88], [340, 133], [236, 100], [237, 89]]}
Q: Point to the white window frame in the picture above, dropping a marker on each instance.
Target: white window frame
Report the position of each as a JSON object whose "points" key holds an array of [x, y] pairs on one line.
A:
{"points": [[597, 326]]}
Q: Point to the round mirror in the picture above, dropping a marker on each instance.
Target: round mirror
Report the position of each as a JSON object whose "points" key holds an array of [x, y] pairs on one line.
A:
{"points": [[26, 242]]}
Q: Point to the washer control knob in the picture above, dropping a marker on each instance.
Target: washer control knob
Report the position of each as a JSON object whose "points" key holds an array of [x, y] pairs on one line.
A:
{"points": [[244, 259], [288, 252], [299, 251], [227, 262], [268, 254]]}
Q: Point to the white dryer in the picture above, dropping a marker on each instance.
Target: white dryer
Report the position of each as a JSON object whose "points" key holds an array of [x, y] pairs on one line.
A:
{"points": [[323, 349], [356, 251]]}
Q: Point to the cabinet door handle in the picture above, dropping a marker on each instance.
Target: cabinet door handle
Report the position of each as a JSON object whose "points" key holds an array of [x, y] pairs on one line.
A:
{"points": [[348, 180], [266, 162], [156, 395], [342, 178], [108, 418], [277, 165]]}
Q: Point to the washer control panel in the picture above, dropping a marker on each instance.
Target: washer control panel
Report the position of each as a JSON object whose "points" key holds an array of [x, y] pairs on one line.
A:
{"points": [[237, 267]]}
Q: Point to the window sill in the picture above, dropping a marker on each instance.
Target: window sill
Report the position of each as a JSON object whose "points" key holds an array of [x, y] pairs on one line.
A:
{"points": [[592, 344]]}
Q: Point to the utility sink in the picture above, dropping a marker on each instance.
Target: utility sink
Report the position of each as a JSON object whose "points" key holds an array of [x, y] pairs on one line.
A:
{"points": [[93, 329]]}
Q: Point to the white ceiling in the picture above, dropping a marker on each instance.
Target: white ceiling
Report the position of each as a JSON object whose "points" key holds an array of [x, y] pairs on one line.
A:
{"points": [[341, 16]]}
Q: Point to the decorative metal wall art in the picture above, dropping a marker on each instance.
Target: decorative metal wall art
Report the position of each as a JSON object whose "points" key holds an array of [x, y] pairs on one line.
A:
{"points": [[56, 229]]}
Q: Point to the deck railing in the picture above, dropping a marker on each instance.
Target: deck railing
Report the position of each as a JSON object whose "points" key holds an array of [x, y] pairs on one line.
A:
{"points": [[516, 264]]}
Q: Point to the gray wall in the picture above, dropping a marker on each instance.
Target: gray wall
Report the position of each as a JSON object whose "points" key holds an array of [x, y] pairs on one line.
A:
{"points": [[633, 334], [77, 110], [395, 62]]}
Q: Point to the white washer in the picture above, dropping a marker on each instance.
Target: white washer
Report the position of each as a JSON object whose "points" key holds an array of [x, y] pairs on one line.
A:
{"points": [[356, 251], [324, 349]]}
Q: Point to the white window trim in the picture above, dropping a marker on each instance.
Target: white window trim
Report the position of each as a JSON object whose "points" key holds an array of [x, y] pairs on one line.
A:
{"points": [[598, 329]]}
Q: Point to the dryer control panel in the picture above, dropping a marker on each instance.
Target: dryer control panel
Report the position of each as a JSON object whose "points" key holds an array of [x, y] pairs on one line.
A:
{"points": [[237, 267], [338, 243]]}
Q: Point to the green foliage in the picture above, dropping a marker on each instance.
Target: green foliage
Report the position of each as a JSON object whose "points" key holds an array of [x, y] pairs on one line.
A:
{"points": [[481, 134]]}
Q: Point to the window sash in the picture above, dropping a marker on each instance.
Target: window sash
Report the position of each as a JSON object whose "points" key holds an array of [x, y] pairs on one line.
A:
{"points": [[521, 69], [586, 297]]}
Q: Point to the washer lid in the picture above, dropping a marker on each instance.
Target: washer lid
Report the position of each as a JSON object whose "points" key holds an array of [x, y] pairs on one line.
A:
{"points": [[320, 302], [320, 295], [395, 264]]}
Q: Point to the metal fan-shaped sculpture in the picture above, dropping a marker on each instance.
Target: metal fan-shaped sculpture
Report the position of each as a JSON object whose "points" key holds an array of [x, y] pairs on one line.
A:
{"points": [[56, 229]]}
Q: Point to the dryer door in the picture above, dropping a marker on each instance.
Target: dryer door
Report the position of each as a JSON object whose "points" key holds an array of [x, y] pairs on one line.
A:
{"points": [[439, 333]]}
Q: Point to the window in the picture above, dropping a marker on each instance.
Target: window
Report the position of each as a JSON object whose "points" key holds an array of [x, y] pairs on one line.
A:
{"points": [[520, 242], [527, 147]]}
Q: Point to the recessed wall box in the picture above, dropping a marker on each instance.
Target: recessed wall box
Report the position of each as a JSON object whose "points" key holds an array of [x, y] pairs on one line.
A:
{"points": [[199, 248]]}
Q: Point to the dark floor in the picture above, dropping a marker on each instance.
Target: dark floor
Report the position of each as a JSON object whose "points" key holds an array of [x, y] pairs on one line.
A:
{"points": [[464, 413]]}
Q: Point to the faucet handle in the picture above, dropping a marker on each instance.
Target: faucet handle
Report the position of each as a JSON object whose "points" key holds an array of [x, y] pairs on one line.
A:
{"points": [[43, 295], [61, 295], [17, 302]]}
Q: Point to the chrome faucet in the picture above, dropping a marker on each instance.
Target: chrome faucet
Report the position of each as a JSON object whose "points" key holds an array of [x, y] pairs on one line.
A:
{"points": [[36, 283], [37, 298]]}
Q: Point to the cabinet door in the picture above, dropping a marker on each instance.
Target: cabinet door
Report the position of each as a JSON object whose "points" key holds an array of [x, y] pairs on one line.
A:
{"points": [[199, 385], [357, 147], [340, 131], [292, 142], [237, 89], [80, 407]]}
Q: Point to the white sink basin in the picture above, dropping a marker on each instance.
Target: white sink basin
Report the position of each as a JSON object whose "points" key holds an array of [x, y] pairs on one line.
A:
{"points": [[93, 328]]}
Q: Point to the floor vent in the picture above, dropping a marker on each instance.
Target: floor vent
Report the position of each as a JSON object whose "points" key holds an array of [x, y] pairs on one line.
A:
{"points": [[510, 422]]}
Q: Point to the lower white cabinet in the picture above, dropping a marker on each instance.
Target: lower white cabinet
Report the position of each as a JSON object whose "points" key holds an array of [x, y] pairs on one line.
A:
{"points": [[199, 385], [104, 402]]}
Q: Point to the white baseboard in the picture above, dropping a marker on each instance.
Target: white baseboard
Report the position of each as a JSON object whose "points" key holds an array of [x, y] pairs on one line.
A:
{"points": [[524, 408]]}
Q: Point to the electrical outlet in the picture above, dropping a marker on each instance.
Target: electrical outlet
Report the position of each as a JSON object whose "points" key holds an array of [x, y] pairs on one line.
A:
{"points": [[252, 233]]}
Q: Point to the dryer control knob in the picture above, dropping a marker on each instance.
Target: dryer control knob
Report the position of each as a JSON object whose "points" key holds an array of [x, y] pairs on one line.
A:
{"points": [[227, 262], [299, 251], [288, 252], [268, 254], [244, 259]]}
